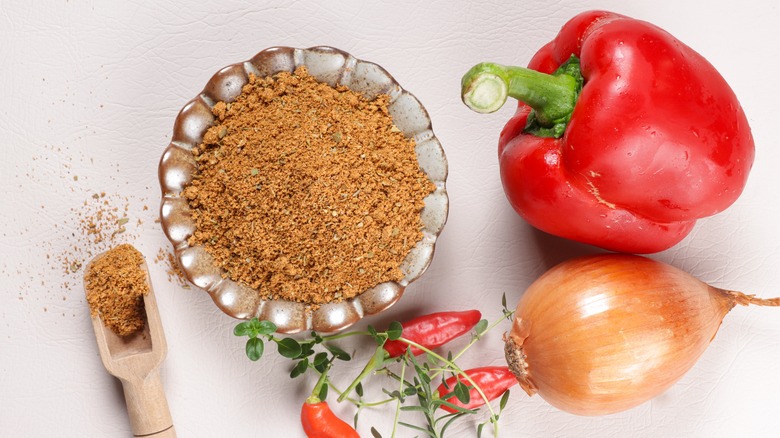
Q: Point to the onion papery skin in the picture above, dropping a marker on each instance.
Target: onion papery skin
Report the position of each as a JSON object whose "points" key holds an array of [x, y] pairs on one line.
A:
{"points": [[601, 334]]}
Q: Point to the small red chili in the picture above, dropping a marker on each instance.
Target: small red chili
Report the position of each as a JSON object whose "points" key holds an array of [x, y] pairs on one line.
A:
{"points": [[433, 330], [320, 422], [494, 381]]}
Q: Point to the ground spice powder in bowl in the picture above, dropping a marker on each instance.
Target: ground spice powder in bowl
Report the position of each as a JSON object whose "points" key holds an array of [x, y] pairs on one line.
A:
{"points": [[305, 187], [306, 192], [115, 284]]}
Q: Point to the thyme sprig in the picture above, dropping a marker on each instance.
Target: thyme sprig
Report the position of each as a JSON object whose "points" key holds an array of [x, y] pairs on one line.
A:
{"points": [[413, 390]]}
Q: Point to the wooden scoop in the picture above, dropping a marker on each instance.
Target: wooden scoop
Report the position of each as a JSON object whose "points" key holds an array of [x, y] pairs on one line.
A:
{"points": [[135, 360]]}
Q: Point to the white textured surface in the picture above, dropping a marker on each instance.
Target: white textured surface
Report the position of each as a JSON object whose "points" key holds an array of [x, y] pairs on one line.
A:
{"points": [[91, 89]]}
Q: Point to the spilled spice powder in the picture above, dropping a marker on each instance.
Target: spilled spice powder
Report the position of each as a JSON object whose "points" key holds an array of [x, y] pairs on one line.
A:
{"points": [[173, 269], [99, 223], [116, 284], [306, 192]]}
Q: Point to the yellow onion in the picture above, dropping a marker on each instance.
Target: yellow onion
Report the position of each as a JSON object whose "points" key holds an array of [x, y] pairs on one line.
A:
{"points": [[601, 334]]}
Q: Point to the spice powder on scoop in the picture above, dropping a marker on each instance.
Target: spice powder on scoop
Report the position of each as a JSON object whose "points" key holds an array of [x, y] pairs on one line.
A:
{"points": [[306, 192], [116, 284]]}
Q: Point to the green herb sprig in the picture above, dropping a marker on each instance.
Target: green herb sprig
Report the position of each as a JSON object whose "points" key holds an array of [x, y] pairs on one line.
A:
{"points": [[414, 390]]}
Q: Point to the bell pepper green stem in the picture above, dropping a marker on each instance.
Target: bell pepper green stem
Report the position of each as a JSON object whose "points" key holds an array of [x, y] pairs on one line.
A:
{"points": [[486, 87]]}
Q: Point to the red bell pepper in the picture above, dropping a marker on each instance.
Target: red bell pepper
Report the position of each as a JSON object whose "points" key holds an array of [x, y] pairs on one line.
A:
{"points": [[623, 136]]}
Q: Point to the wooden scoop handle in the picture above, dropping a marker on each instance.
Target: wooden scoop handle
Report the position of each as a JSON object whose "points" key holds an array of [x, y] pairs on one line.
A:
{"points": [[148, 407]]}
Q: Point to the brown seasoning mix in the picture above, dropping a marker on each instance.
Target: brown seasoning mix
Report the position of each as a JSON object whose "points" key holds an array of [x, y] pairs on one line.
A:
{"points": [[116, 284], [306, 192]]}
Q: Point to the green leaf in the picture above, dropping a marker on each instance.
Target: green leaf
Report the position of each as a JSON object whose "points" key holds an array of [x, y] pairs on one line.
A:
{"points": [[254, 348], [503, 301], [307, 349], [459, 409], [508, 314], [481, 327], [375, 433], [394, 331], [479, 429], [289, 348], [445, 417], [461, 391], [320, 358], [359, 389], [300, 368], [417, 428], [338, 353], [242, 329], [417, 368], [377, 338], [323, 392], [455, 416], [394, 394], [263, 327], [504, 400]]}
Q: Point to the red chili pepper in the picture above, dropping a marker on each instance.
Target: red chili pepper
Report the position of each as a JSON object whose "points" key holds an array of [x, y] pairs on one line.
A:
{"points": [[494, 381], [433, 330], [654, 140], [320, 422]]}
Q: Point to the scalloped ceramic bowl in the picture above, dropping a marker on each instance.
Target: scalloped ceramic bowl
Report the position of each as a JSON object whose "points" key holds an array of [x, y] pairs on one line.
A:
{"points": [[177, 167]]}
